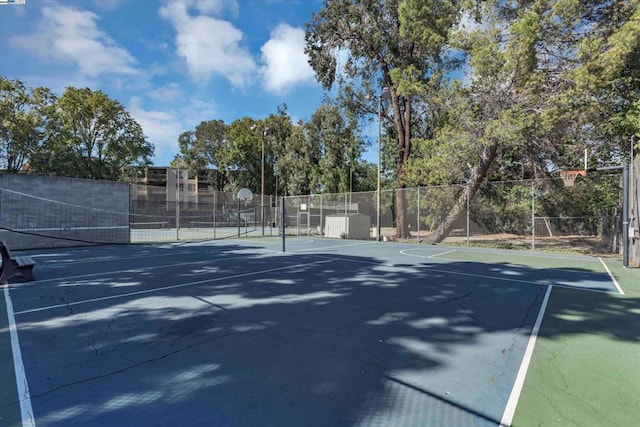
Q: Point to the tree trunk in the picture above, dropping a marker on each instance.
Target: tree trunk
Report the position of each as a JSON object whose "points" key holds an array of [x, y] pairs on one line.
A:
{"points": [[477, 176], [402, 225], [402, 124]]}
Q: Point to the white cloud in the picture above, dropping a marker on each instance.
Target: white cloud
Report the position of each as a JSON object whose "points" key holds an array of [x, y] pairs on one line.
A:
{"points": [[209, 45], [108, 4], [167, 92], [215, 7], [209, 7], [161, 128], [286, 64], [72, 36], [195, 111]]}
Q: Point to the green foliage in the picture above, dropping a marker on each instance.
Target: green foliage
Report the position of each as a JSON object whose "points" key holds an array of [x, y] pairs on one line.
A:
{"points": [[602, 102], [82, 134], [25, 117], [590, 196], [503, 207], [298, 163], [398, 45], [436, 203], [339, 148], [91, 136]]}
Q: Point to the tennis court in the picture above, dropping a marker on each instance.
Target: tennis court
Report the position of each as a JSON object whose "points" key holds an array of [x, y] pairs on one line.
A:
{"points": [[236, 332]]}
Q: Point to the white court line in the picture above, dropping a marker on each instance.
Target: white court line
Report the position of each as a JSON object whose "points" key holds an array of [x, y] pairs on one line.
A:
{"points": [[99, 259], [164, 288], [507, 279], [332, 247], [26, 411], [459, 273], [515, 280], [404, 252], [129, 270], [108, 258], [527, 254], [510, 409], [615, 282]]}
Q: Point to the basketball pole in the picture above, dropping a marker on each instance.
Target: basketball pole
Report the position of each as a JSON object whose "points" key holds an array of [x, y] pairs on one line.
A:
{"points": [[625, 208]]}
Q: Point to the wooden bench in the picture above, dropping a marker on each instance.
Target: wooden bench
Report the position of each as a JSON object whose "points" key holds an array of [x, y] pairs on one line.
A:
{"points": [[15, 266]]}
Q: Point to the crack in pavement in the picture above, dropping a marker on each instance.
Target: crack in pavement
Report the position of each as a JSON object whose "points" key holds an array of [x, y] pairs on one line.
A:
{"points": [[506, 352], [127, 368], [67, 305], [457, 298]]}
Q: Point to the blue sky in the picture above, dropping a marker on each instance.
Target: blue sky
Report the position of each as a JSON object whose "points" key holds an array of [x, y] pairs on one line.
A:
{"points": [[171, 63]]}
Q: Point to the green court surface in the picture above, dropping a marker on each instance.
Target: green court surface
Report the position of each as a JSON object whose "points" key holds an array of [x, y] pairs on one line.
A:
{"points": [[357, 333], [536, 260], [585, 369]]}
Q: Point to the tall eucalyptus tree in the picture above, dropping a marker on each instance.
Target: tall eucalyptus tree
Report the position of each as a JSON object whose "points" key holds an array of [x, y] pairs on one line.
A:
{"points": [[380, 54]]}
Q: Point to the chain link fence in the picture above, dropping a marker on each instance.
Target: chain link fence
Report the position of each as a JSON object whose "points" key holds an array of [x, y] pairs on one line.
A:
{"points": [[158, 215], [527, 214]]}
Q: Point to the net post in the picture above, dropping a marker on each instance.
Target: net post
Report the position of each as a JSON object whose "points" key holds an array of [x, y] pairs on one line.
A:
{"points": [[271, 213], [130, 215]]}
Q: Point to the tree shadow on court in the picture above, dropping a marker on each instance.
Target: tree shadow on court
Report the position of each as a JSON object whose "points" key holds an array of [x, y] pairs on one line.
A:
{"points": [[226, 335]]}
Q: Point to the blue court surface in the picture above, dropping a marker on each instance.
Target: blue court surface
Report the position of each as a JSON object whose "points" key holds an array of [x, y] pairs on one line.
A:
{"points": [[237, 333]]}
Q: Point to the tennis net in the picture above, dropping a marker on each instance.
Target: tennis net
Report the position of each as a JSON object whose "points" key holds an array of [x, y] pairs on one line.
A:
{"points": [[30, 221]]}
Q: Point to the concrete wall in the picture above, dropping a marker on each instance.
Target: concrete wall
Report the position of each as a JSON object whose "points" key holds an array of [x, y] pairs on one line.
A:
{"points": [[41, 212]]}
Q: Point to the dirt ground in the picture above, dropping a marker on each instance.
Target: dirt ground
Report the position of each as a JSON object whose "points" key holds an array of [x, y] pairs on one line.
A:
{"points": [[587, 245]]}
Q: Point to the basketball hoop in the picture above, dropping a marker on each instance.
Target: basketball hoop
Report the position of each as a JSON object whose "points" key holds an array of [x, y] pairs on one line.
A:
{"points": [[245, 194], [569, 177]]}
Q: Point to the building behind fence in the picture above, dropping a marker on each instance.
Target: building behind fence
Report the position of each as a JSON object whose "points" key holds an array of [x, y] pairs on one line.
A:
{"points": [[528, 214]]}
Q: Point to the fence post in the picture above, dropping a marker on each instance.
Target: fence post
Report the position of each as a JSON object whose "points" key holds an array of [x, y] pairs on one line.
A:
{"points": [[625, 214], [321, 218], [178, 205], [346, 222], [215, 193], [418, 218], [468, 210], [533, 215], [282, 221]]}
